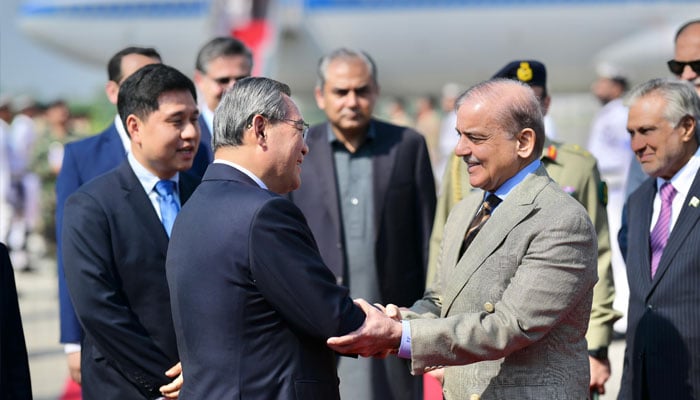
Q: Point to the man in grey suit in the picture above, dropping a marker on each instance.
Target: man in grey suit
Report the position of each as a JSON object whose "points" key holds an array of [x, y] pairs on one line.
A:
{"points": [[662, 358], [508, 311]]}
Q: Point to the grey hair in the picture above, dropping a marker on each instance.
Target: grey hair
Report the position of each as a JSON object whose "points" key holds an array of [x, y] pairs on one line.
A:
{"points": [[248, 97], [343, 54], [681, 99], [221, 47], [515, 112]]}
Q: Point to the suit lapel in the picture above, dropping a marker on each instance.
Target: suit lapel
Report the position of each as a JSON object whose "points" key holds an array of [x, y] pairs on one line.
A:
{"points": [[382, 170], [114, 147], [687, 219], [512, 211], [142, 207], [205, 138], [321, 156], [646, 199]]}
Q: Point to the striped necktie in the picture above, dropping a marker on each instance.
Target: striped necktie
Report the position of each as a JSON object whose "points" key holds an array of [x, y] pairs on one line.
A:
{"points": [[659, 235], [479, 220]]}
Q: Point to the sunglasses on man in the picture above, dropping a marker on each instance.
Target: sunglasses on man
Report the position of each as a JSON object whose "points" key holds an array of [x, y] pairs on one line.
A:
{"points": [[677, 67]]}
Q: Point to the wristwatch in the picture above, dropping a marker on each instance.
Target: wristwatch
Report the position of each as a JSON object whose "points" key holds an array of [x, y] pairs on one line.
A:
{"points": [[601, 353]]}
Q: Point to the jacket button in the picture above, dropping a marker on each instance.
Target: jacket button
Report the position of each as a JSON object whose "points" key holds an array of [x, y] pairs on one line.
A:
{"points": [[488, 306], [474, 396]]}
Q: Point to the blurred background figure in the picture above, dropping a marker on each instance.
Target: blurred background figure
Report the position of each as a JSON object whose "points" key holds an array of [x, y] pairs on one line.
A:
{"points": [[398, 113], [220, 63], [428, 124], [5, 176], [609, 142], [46, 161], [447, 139], [25, 184], [685, 64]]}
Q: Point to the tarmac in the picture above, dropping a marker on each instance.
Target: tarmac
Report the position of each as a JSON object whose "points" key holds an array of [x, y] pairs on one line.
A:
{"points": [[38, 301]]}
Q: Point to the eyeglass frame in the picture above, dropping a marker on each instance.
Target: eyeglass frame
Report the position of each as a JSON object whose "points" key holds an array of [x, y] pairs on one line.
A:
{"points": [[225, 80], [304, 125], [680, 66]]}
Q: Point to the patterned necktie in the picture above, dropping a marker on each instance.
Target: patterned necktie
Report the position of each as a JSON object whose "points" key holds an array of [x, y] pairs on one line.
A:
{"points": [[167, 203], [659, 235], [479, 220]]}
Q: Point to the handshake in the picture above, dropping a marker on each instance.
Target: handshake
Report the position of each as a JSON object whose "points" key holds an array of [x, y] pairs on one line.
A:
{"points": [[378, 336]]}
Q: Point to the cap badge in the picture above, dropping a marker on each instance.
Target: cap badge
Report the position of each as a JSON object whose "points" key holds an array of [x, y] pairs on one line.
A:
{"points": [[525, 72]]}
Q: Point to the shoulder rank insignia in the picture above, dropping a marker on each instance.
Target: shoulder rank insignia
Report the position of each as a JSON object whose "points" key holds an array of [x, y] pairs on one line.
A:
{"points": [[524, 72], [552, 152], [603, 193]]}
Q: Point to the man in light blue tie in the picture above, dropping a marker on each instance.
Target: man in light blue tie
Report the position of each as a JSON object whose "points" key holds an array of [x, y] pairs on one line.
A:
{"points": [[662, 358], [115, 236]]}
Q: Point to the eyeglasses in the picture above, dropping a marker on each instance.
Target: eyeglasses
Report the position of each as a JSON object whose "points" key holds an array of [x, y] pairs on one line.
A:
{"points": [[224, 80], [677, 67], [298, 124]]}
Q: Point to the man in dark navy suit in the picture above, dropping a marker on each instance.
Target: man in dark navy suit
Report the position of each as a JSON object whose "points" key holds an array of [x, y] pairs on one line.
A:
{"points": [[220, 63], [115, 238], [662, 358], [83, 160], [253, 303]]}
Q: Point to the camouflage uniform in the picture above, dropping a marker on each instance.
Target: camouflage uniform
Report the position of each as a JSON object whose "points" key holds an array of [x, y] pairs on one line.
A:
{"points": [[575, 170], [48, 146]]}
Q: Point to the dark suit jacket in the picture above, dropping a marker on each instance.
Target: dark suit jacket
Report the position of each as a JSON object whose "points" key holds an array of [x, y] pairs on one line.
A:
{"points": [[252, 301], [83, 160], [14, 367], [404, 207], [114, 248], [662, 358], [204, 155]]}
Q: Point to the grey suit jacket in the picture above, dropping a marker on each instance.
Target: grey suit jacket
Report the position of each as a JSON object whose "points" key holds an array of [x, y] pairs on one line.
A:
{"points": [[514, 309]]}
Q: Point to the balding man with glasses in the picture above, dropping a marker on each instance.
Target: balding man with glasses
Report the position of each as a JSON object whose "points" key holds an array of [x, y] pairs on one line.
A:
{"points": [[220, 63], [686, 60]]}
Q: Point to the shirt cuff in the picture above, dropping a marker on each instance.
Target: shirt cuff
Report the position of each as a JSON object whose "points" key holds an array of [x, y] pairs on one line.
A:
{"points": [[71, 348], [405, 347]]}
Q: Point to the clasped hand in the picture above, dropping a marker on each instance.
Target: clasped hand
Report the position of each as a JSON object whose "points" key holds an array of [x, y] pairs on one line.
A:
{"points": [[378, 336]]}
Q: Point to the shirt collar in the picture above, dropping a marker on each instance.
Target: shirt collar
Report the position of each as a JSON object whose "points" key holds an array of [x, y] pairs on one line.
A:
{"points": [[126, 142], [244, 170], [504, 190], [145, 177], [683, 179], [208, 116], [332, 138]]}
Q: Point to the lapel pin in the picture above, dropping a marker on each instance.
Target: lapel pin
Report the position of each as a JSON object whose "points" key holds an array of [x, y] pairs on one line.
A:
{"points": [[694, 202]]}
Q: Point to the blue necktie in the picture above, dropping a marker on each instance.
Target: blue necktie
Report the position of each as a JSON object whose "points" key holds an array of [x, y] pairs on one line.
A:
{"points": [[168, 204]]}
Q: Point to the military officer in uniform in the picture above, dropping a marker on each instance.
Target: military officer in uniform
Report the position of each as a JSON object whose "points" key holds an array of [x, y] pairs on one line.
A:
{"points": [[575, 170]]}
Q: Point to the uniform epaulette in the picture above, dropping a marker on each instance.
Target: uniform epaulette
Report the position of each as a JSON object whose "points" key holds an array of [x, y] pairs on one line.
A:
{"points": [[576, 149]]}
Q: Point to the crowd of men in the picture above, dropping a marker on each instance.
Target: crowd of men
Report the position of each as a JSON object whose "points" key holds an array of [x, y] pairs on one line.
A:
{"points": [[213, 245]]}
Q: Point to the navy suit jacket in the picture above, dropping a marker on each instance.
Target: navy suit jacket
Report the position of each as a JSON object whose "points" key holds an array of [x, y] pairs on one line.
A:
{"points": [[15, 383], [404, 208], [114, 248], [252, 301], [662, 358], [83, 160]]}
